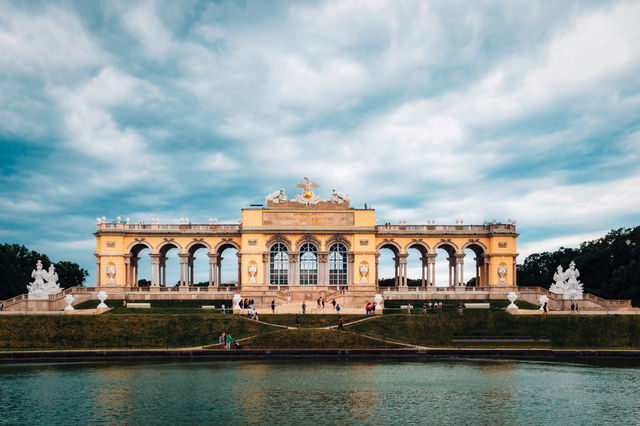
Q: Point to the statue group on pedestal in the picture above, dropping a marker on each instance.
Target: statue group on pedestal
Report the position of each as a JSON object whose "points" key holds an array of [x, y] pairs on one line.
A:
{"points": [[39, 289], [567, 283]]}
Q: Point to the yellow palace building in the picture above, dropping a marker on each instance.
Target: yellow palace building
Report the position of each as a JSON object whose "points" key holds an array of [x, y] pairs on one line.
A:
{"points": [[306, 247]]}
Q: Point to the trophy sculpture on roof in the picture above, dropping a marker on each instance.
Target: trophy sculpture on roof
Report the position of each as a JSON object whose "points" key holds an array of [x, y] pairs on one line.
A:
{"points": [[307, 197]]}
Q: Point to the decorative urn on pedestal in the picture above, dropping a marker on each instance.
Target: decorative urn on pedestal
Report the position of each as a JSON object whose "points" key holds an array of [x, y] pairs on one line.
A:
{"points": [[69, 300], [512, 296], [102, 296]]}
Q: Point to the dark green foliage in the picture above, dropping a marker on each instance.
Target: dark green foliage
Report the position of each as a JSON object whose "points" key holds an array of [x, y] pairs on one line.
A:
{"points": [[453, 304], [390, 282], [160, 304], [609, 266], [314, 339], [563, 331], [17, 262], [110, 331]]}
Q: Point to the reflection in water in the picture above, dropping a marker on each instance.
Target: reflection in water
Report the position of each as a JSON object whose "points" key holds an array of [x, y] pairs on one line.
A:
{"points": [[308, 392]]}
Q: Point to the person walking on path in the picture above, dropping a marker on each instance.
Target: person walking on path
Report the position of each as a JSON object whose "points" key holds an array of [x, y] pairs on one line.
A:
{"points": [[337, 308], [545, 309], [228, 341], [298, 321], [340, 323], [304, 308], [409, 308], [273, 306], [333, 302], [323, 303]]}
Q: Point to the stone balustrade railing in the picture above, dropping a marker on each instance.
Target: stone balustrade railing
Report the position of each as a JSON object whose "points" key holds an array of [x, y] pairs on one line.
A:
{"points": [[462, 229], [167, 227]]}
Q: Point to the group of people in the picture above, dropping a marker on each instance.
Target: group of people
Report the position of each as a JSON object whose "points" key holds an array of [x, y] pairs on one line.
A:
{"points": [[370, 308], [228, 341], [247, 304], [252, 314], [320, 303]]}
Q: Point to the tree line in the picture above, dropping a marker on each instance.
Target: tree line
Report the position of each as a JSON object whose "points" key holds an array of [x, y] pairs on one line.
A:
{"points": [[17, 262], [609, 266]]}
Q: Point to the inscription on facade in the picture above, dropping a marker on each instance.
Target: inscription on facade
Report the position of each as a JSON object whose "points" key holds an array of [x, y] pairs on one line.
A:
{"points": [[253, 242], [307, 218], [111, 244], [502, 245], [364, 242]]}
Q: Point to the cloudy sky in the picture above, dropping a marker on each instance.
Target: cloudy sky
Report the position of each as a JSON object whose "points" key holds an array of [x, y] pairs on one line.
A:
{"points": [[424, 110]]}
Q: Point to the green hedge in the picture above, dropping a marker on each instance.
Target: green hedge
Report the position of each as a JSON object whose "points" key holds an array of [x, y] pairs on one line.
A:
{"points": [[563, 331], [309, 320], [126, 331]]}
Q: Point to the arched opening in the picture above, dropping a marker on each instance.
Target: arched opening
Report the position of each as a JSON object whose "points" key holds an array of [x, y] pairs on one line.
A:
{"points": [[169, 261], [308, 264], [417, 264], [279, 264], [338, 266], [446, 269], [199, 271], [140, 268], [388, 266], [474, 265], [227, 266]]}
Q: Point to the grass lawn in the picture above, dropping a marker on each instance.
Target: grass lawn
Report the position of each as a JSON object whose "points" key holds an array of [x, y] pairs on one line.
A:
{"points": [[309, 320], [314, 339], [120, 331], [562, 331], [160, 304]]}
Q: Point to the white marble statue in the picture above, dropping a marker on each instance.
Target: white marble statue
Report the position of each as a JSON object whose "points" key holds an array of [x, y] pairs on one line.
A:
{"points": [[378, 299], [111, 272], [236, 301], [39, 289], [567, 283], [102, 296], [364, 268], [502, 271], [339, 197], [69, 300], [276, 197], [253, 268], [512, 296]]}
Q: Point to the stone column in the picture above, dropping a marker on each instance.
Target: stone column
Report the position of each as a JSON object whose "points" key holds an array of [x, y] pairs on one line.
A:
{"points": [[323, 278], [423, 266], [163, 268], [294, 276], [431, 269], [127, 270], [184, 261], [265, 268], [136, 260], [191, 274], [396, 276], [155, 271], [98, 271], [402, 260], [213, 259], [219, 268], [377, 277], [485, 272], [460, 263], [239, 269], [350, 261], [515, 273]]}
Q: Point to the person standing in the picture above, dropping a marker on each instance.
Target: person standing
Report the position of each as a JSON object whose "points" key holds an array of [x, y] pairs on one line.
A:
{"points": [[409, 308], [273, 306], [323, 303], [298, 321], [424, 308], [228, 341], [304, 308], [333, 302], [337, 308], [1, 307], [545, 309], [340, 323]]}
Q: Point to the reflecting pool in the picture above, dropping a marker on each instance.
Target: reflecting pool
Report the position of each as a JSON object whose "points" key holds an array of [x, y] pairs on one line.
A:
{"points": [[321, 392]]}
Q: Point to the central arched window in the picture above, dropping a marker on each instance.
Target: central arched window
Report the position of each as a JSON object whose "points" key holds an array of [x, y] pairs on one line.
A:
{"points": [[308, 264], [338, 264], [279, 264]]}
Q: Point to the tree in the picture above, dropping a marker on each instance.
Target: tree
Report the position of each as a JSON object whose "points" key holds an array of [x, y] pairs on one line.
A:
{"points": [[609, 266], [17, 262]]}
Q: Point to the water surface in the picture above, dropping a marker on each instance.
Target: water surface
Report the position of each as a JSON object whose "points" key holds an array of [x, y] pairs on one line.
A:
{"points": [[321, 392]]}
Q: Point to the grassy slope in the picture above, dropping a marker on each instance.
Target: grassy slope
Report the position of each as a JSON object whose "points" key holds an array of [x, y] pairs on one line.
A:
{"points": [[315, 339], [163, 304], [566, 331], [309, 320], [104, 331]]}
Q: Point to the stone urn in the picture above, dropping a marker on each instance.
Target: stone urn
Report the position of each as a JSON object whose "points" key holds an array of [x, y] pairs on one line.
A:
{"points": [[364, 269], [236, 301], [252, 268], [378, 299], [111, 272], [69, 300], [502, 271], [512, 296], [102, 296]]}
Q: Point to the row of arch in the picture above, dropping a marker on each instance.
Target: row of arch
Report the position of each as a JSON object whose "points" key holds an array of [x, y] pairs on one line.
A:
{"points": [[307, 265]]}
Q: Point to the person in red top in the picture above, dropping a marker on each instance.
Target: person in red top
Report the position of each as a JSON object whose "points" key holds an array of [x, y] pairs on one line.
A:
{"points": [[340, 323]]}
